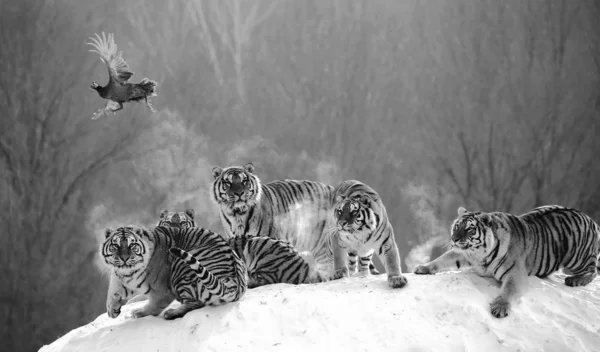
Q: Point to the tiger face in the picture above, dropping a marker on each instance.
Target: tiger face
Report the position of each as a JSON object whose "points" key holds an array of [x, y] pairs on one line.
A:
{"points": [[127, 248], [236, 187], [181, 220], [472, 231], [356, 214]]}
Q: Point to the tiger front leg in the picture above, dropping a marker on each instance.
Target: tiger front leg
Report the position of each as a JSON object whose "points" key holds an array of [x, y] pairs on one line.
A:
{"points": [[117, 297], [511, 286], [391, 257], [449, 260], [352, 262], [364, 263], [340, 255]]}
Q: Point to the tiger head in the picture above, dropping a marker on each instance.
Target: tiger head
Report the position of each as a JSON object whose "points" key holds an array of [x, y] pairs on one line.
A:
{"points": [[472, 231], [236, 188], [177, 219], [127, 248], [359, 209]]}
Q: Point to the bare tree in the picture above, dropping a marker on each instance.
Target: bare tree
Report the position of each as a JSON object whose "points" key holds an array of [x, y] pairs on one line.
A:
{"points": [[231, 24], [49, 151]]}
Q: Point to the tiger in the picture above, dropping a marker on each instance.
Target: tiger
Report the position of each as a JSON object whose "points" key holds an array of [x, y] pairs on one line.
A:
{"points": [[271, 261], [291, 210], [510, 248], [268, 261], [361, 228], [183, 219], [168, 218], [194, 266]]}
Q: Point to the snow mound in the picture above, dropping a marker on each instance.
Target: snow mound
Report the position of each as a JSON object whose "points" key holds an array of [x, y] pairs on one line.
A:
{"points": [[444, 312]]}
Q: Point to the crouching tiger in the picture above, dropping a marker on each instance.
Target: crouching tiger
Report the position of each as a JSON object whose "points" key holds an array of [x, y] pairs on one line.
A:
{"points": [[268, 261], [362, 227], [509, 248], [193, 265]]}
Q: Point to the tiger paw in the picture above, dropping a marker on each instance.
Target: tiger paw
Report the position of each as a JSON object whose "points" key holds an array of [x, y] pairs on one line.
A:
{"points": [[139, 313], [579, 280], [171, 314], [397, 281], [113, 306], [340, 273], [423, 270], [364, 273], [500, 307]]}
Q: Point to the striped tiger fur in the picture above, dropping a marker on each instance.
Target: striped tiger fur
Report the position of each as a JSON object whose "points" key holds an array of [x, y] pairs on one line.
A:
{"points": [[361, 228], [290, 210], [268, 261], [271, 261], [201, 269], [168, 218], [509, 248]]}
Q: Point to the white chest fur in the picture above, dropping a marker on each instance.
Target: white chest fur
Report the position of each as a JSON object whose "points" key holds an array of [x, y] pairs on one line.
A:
{"points": [[236, 221], [356, 241], [132, 279]]}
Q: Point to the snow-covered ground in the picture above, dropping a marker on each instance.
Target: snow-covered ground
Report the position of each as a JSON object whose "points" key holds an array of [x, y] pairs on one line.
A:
{"points": [[444, 312]]}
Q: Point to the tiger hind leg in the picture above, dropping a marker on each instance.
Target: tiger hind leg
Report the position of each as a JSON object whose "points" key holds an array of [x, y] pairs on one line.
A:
{"points": [[154, 306], [363, 265], [584, 274], [373, 269], [352, 259], [183, 309]]}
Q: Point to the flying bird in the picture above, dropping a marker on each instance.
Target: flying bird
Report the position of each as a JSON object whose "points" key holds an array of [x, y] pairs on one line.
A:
{"points": [[118, 90]]}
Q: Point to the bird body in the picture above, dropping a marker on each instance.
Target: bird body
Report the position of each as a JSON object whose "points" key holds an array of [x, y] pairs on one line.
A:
{"points": [[118, 90]]}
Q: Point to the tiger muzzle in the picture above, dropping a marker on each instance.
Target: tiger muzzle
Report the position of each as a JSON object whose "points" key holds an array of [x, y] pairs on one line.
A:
{"points": [[459, 238]]}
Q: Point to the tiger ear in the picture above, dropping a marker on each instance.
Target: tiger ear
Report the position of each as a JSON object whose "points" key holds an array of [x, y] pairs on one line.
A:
{"points": [[486, 220], [138, 231], [190, 212], [217, 171], [163, 213], [249, 168], [366, 201], [462, 211], [108, 232]]}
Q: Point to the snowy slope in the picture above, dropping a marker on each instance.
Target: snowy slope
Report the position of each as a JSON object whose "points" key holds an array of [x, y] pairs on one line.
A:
{"points": [[445, 312]]}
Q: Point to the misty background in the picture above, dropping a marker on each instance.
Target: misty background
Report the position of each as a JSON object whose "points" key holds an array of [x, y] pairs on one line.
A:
{"points": [[491, 105]]}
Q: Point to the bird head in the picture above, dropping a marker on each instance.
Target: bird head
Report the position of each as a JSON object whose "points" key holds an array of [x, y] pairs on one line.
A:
{"points": [[94, 86]]}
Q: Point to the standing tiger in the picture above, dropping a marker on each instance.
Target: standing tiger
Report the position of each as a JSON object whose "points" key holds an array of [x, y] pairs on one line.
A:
{"points": [[268, 261], [362, 227], [290, 210], [509, 248], [195, 266]]}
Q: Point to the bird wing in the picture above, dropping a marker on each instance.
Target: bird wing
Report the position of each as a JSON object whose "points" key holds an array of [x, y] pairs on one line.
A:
{"points": [[107, 49]]}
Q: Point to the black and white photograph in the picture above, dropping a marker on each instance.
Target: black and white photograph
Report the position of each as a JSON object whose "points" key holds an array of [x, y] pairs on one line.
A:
{"points": [[300, 175]]}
